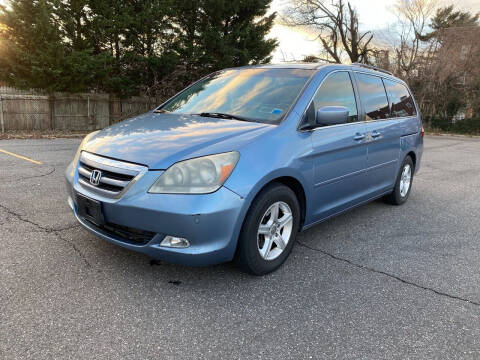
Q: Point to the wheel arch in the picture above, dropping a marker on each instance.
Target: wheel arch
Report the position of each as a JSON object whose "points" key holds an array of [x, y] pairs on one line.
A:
{"points": [[295, 183], [409, 146], [413, 156], [292, 182]]}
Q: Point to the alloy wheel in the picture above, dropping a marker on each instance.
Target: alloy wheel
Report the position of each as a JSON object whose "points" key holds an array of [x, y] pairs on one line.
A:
{"points": [[275, 230], [405, 180]]}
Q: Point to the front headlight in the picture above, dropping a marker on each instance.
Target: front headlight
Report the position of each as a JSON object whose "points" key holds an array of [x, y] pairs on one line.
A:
{"points": [[196, 176]]}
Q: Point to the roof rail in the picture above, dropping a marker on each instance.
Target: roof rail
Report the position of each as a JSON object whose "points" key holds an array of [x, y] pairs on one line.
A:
{"points": [[373, 68]]}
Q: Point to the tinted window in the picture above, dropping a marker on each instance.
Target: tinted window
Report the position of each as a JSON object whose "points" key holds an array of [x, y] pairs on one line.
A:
{"points": [[337, 90], [262, 95], [402, 102], [373, 96]]}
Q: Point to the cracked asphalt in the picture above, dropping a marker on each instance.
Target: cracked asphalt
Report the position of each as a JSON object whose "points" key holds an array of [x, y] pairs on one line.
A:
{"points": [[379, 282]]}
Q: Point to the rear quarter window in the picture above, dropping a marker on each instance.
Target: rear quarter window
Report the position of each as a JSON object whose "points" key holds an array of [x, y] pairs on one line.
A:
{"points": [[401, 99]]}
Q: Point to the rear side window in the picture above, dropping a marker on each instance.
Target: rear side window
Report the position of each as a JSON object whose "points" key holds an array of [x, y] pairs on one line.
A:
{"points": [[337, 90], [373, 96], [402, 102]]}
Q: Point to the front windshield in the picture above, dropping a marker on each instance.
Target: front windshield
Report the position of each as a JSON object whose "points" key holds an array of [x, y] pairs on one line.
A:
{"points": [[256, 94]]}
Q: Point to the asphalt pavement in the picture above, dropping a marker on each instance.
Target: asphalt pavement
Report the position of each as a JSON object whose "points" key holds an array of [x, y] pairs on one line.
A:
{"points": [[379, 282]]}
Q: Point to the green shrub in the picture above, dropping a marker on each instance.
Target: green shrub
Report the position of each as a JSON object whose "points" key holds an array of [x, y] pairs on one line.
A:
{"points": [[467, 126]]}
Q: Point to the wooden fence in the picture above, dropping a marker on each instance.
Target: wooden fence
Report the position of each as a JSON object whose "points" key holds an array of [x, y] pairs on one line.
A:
{"points": [[28, 110]]}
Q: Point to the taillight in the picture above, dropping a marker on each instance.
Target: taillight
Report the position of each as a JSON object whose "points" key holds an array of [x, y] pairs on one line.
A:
{"points": [[423, 132]]}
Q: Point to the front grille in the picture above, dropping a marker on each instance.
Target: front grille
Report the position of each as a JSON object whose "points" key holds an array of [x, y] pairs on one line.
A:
{"points": [[116, 176], [128, 234]]}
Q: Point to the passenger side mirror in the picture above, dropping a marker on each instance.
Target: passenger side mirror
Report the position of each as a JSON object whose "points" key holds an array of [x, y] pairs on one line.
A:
{"points": [[332, 115]]}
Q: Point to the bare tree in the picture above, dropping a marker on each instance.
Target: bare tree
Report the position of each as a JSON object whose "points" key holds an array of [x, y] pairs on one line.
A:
{"points": [[448, 82], [437, 54], [413, 16], [336, 23]]}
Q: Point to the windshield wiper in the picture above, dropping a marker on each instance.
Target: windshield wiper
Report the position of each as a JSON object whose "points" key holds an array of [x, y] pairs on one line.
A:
{"points": [[224, 116]]}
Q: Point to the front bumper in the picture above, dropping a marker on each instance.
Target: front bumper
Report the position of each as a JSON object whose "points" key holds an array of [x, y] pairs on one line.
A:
{"points": [[210, 222]]}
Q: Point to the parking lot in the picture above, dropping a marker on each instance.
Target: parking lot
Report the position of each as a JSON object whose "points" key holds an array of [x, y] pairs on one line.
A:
{"points": [[377, 282]]}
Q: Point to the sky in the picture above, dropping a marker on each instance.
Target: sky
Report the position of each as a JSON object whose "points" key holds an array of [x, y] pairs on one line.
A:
{"points": [[375, 15]]}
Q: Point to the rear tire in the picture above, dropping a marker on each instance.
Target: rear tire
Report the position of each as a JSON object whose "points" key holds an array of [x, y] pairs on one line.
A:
{"points": [[269, 230], [403, 185]]}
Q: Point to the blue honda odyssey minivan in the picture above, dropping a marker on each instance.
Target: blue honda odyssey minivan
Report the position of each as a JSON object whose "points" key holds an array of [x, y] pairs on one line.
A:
{"points": [[235, 165]]}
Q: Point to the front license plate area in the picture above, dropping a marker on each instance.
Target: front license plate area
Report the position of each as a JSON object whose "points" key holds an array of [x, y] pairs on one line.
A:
{"points": [[90, 209]]}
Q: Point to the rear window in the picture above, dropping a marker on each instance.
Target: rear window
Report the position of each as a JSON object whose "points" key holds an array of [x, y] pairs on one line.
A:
{"points": [[373, 96], [402, 102]]}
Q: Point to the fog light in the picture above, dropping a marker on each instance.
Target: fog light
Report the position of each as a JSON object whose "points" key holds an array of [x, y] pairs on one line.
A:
{"points": [[174, 242]]}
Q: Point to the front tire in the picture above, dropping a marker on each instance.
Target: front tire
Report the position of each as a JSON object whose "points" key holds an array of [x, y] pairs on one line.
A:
{"points": [[269, 230], [403, 185]]}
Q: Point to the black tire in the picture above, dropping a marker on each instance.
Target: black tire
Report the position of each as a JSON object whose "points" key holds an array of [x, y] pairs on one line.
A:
{"points": [[248, 256], [395, 197]]}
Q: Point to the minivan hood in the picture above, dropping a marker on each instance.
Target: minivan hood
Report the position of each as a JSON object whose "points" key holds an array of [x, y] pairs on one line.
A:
{"points": [[159, 140]]}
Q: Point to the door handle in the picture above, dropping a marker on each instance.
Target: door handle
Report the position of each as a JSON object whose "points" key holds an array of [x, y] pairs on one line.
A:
{"points": [[375, 134], [359, 136]]}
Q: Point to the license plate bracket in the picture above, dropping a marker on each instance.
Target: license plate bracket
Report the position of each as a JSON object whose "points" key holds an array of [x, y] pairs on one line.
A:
{"points": [[90, 209]]}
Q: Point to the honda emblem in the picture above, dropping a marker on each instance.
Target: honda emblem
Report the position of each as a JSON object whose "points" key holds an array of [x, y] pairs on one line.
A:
{"points": [[95, 177]]}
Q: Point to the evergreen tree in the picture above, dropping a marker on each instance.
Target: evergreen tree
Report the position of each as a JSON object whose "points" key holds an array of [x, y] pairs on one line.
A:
{"points": [[233, 33], [148, 40], [131, 46], [215, 34], [45, 48], [32, 44], [75, 23], [222, 33], [85, 66], [447, 17]]}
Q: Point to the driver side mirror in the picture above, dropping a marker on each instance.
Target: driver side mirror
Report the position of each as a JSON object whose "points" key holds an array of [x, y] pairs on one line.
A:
{"points": [[331, 115]]}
